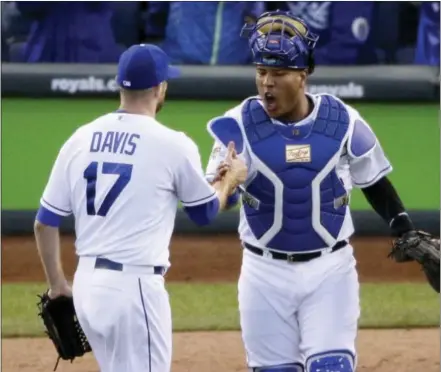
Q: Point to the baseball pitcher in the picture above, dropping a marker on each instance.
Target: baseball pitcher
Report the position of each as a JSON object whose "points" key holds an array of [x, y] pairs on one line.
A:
{"points": [[298, 289], [121, 176]]}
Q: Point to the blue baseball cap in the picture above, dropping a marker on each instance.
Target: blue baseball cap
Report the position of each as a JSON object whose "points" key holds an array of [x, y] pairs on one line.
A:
{"points": [[144, 66]]}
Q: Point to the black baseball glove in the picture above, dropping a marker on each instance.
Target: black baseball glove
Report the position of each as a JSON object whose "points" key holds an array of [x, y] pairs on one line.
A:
{"points": [[62, 327], [423, 248]]}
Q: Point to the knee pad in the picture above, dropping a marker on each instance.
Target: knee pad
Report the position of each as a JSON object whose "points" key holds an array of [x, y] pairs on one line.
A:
{"points": [[292, 367], [331, 361]]}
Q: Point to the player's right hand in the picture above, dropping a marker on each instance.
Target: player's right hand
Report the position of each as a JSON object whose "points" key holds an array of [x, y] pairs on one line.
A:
{"points": [[221, 170], [237, 168]]}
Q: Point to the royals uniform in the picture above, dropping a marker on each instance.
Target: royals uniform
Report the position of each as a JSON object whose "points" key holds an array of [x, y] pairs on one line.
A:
{"points": [[295, 202], [122, 176]]}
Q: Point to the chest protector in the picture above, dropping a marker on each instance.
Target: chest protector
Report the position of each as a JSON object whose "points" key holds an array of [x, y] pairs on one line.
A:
{"points": [[302, 202]]}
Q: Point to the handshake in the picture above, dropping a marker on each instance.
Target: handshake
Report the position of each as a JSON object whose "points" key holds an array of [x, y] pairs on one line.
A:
{"points": [[232, 171]]}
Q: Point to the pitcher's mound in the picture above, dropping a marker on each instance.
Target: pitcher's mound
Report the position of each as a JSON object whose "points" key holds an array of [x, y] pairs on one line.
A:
{"points": [[379, 351]]}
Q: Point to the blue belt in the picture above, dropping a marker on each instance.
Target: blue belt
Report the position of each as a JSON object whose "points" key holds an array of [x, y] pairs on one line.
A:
{"points": [[293, 257], [104, 263]]}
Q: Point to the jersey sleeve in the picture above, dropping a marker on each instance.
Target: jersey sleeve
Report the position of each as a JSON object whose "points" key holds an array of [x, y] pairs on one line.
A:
{"points": [[367, 161], [219, 151], [218, 154], [56, 196], [191, 186]]}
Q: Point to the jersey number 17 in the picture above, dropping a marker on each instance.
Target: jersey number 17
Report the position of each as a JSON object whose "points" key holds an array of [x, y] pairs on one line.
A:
{"points": [[91, 174]]}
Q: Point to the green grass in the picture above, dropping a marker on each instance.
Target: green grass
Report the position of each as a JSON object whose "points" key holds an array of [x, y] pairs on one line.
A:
{"points": [[214, 307], [33, 131]]}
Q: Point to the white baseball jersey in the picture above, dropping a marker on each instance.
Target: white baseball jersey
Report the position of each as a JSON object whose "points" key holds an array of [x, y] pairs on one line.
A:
{"points": [[354, 170], [122, 176]]}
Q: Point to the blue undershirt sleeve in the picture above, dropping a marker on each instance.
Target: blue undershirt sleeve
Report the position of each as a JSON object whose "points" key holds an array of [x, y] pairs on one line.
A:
{"points": [[203, 214], [47, 217]]}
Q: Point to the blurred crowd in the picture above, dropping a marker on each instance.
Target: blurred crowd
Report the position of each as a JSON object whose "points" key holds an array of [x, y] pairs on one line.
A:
{"points": [[351, 33]]}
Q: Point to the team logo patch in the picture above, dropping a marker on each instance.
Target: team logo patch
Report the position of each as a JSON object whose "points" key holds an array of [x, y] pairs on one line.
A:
{"points": [[298, 153]]}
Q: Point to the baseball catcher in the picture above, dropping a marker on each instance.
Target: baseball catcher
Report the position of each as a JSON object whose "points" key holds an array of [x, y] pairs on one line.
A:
{"points": [[298, 289], [62, 327]]}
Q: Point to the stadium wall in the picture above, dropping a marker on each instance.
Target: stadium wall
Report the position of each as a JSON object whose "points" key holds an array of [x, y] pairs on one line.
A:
{"points": [[366, 223], [360, 83]]}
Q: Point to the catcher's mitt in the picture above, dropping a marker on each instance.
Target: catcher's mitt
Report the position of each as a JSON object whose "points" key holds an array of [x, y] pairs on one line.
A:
{"points": [[423, 248], [62, 327]]}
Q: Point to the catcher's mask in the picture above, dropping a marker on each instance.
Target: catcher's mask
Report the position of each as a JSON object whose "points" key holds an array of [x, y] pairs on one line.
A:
{"points": [[278, 39]]}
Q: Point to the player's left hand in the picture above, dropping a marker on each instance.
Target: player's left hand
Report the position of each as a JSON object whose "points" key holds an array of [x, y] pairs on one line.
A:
{"points": [[62, 289], [423, 248], [62, 326]]}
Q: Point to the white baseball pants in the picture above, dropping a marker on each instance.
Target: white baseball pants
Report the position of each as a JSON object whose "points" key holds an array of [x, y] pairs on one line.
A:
{"points": [[291, 311], [126, 317]]}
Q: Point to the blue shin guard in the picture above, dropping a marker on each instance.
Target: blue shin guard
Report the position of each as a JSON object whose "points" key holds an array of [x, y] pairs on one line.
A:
{"points": [[331, 361]]}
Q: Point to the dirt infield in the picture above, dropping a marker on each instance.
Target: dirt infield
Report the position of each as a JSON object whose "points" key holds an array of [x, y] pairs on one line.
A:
{"points": [[380, 351], [217, 258], [209, 258]]}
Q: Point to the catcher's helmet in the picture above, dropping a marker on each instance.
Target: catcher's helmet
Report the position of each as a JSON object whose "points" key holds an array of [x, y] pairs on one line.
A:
{"points": [[280, 39]]}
